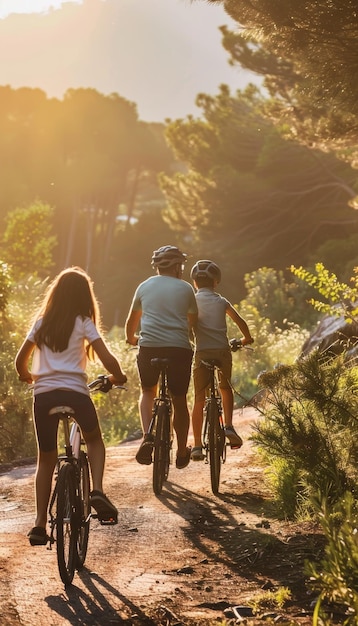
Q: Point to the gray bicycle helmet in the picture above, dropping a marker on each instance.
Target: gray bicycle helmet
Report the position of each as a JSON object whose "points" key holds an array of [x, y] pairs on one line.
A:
{"points": [[166, 256], [206, 269]]}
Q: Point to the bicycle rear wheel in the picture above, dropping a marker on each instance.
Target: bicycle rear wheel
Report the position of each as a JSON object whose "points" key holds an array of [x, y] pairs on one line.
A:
{"points": [[161, 448], [84, 510], [216, 444], [66, 523]]}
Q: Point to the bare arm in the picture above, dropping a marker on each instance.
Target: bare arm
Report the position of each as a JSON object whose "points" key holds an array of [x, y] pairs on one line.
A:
{"points": [[240, 322], [22, 361], [131, 326], [109, 361]]}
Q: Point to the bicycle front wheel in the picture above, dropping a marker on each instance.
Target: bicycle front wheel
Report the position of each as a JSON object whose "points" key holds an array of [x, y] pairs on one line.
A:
{"points": [[66, 523], [216, 444], [161, 448], [84, 510]]}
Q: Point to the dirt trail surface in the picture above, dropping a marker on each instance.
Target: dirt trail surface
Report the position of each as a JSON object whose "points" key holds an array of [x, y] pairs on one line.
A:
{"points": [[185, 557]]}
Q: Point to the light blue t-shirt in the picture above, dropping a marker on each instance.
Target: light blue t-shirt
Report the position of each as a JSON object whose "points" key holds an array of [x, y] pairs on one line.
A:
{"points": [[165, 302], [211, 330]]}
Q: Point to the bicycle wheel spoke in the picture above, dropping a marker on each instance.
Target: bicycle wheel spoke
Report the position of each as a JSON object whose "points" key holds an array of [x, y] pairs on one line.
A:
{"points": [[161, 448], [66, 523], [216, 444], [83, 510]]}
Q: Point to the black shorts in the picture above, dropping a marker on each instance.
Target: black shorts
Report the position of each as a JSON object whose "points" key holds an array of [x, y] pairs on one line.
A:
{"points": [[47, 425], [179, 370]]}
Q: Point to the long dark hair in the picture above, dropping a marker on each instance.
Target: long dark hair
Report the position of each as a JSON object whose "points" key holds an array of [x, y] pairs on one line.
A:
{"points": [[69, 295]]}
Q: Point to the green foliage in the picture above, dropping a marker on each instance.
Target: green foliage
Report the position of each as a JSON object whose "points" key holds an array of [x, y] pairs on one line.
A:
{"points": [[270, 600], [28, 241], [90, 158], [5, 283], [118, 410], [246, 194], [282, 302], [16, 431], [336, 577], [272, 345], [310, 422], [306, 51], [340, 298]]}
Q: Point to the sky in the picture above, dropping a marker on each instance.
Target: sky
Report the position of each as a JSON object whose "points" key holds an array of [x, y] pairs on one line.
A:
{"points": [[158, 54]]}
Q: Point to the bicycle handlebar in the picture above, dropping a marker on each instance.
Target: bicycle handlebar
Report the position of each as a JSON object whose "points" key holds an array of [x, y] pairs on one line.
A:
{"points": [[103, 384], [236, 344]]}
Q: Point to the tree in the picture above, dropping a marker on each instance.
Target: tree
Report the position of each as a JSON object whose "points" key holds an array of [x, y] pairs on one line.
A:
{"points": [[88, 156], [279, 300], [28, 240], [308, 53], [5, 285], [248, 195]]}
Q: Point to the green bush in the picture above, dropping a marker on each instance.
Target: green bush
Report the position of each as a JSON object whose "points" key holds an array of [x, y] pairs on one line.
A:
{"points": [[272, 345], [336, 577], [310, 423]]}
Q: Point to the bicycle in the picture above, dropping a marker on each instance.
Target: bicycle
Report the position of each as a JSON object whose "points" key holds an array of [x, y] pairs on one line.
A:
{"points": [[161, 428], [69, 508], [213, 434]]}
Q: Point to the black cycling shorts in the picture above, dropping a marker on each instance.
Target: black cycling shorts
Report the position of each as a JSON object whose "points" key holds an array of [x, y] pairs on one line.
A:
{"points": [[179, 370], [46, 425]]}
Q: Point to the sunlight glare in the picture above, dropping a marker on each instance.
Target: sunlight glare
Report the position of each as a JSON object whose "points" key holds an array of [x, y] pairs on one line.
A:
{"points": [[30, 6]]}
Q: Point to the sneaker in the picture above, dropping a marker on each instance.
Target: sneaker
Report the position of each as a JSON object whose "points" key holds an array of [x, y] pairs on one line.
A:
{"points": [[144, 454], [38, 536], [197, 454], [183, 461], [106, 511], [233, 437]]}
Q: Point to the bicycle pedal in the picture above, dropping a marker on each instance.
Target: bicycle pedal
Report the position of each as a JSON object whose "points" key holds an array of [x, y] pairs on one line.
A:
{"points": [[234, 446], [108, 521]]}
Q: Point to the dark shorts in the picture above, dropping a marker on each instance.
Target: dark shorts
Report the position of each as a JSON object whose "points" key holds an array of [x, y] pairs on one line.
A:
{"points": [[47, 425], [179, 370]]}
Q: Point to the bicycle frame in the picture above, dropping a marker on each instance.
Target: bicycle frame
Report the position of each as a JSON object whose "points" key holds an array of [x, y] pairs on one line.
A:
{"points": [[213, 435], [71, 494], [161, 427], [72, 445]]}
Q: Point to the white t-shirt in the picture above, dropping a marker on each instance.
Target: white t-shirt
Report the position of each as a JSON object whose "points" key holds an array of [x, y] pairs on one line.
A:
{"points": [[63, 370], [165, 302]]}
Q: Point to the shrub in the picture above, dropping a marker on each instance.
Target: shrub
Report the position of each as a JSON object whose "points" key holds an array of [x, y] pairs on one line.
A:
{"points": [[336, 577], [311, 424]]}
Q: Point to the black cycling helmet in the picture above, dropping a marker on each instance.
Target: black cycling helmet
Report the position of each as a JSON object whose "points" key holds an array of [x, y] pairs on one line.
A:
{"points": [[166, 256], [206, 269]]}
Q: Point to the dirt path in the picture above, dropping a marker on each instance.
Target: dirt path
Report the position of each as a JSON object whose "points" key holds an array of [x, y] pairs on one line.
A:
{"points": [[180, 558]]}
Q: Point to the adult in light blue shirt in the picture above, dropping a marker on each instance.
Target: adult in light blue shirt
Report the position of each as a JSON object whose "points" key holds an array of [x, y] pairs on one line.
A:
{"points": [[164, 306]]}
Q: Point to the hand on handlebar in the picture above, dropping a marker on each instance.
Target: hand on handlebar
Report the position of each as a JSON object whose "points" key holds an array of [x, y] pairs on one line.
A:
{"points": [[105, 383], [237, 344], [117, 381], [132, 341]]}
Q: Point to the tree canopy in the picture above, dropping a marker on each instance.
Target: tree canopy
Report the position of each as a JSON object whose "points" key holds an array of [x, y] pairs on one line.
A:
{"points": [[250, 196], [84, 155], [308, 53]]}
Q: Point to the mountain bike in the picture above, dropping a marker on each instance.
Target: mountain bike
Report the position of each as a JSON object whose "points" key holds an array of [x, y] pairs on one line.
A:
{"points": [[69, 508], [161, 427], [213, 435]]}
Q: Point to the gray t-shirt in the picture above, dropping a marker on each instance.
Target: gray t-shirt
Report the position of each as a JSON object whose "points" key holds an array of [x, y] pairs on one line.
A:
{"points": [[165, 302], [211, 330]]}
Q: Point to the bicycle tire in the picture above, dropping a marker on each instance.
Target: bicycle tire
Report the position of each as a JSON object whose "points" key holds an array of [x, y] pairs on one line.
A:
{"points": [[161, 458], [66, 523], [216, 444], [84, 510]]}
